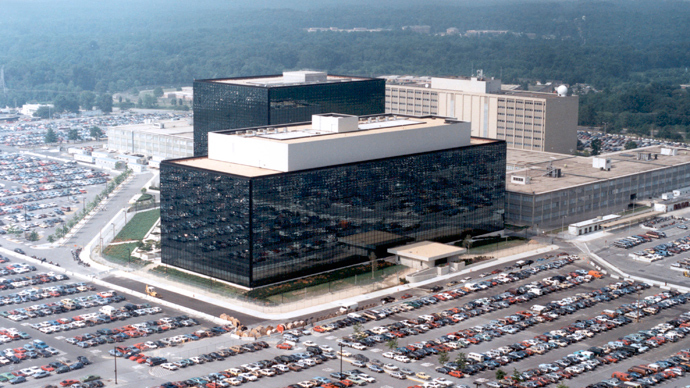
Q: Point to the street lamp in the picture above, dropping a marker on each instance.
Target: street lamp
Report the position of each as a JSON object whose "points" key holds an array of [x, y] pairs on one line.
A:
{"points": [[341, 359], [115, 359]]}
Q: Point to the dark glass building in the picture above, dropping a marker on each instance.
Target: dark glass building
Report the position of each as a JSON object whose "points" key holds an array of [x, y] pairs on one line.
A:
{"points": [[234, 103], [255, 227]]}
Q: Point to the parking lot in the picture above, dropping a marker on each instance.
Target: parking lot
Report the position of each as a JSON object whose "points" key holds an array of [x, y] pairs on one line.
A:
{"points": [[40, 194], [68, 328], [492, 339], [663, 257], [156, 345]]}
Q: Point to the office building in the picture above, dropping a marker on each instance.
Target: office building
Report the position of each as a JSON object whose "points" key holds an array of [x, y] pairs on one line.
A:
{"points": [[273, 203], [546, 190], [233, 103], [165, 139], [525, 120]]}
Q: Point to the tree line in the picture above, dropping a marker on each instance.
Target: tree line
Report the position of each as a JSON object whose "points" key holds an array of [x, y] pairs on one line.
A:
{"points": [[77, 53]]}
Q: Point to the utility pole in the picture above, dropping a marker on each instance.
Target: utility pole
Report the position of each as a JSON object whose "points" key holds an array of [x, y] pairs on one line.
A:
{"points": [[115, 358], [341, 359]]}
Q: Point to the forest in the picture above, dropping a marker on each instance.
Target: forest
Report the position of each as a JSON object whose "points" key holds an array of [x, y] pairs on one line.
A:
{"points": [[633, 54]]}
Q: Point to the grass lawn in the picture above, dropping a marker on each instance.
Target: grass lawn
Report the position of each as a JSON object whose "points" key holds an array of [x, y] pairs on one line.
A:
{"points": [[193, 280], [121, 254], [137, 227]]}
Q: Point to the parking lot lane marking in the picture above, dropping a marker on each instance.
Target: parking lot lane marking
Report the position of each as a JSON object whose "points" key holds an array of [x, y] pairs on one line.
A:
{"points": [[59, 338], [96, 351], [327, 369], [139, 366], [386, 386], [416, 379], [376, 350], [427, 364], [331, 337]]}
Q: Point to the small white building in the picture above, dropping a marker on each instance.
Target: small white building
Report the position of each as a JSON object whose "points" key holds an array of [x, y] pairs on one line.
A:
{"points": [[425, 254], [109, 163], [589, 226]]}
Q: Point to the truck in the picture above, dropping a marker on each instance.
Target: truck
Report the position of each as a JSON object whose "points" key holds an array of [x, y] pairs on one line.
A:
{"points": [[151, 291]]}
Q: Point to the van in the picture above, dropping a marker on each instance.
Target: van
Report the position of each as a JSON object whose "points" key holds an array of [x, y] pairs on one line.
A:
{"points": [[345, 307], [108, 310], [476, 357], [621, 376]]}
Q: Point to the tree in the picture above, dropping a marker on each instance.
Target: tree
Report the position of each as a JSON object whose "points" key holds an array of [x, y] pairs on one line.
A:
{"points": [[443, 358], [73, 134], [66, 103], [630, 145], [461, 360], [467, 242], [500, 374], [51, 238], [50, 136], [562, 385], [87, 100], [33, 236], [392, 343], [95, 132], [596, 146], [357, 330], [148, 101], [105, 103], [517, 376], [158, 92], [43, 112], [143, 190]]}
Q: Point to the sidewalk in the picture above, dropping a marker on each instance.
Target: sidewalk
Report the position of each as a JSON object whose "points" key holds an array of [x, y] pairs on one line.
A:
{"points": [[239, 306]]}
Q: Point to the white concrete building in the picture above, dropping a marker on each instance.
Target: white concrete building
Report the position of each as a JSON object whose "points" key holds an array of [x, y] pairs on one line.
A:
{"points": [[525, 120], [168, 139]]}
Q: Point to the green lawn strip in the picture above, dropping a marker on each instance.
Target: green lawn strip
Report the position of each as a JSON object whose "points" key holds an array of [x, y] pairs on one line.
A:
{"points": [[140, 224], [122, 254], [207, 284], [344, 274]]}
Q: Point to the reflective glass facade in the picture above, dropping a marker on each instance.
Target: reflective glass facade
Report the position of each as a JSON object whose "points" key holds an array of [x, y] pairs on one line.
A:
{"points": [[219, 106], [263, 230]]}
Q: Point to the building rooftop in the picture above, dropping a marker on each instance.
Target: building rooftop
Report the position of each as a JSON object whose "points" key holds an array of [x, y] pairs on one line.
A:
{"points": [[288, 78], [180, 128], [330, 139], [578, 170], [465, 84], [427, 251], [333, 139], [307, 132], [249, 171]]}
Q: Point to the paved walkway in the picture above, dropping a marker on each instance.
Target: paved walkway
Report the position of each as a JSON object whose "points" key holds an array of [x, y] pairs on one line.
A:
{"points": [[213, 304]]}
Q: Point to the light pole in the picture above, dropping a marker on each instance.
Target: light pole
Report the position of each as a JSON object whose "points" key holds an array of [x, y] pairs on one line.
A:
{"points": [[115, 359], [341, 359]]}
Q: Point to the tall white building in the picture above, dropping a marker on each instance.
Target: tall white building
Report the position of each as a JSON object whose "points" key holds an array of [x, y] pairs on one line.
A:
{"points": [[525, 120]]}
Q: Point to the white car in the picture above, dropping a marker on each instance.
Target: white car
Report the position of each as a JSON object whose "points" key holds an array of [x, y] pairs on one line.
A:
{"points": [[366, 378], [310, 343], [442, 381], [388, 355], [390, 367], [404, 359], [358, 346], [169, 366], [326, 348], [249, 377]]}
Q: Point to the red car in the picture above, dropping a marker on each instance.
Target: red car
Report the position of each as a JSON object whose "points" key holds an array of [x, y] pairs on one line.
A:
{"points": [[67, 383], [284, 346]]}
